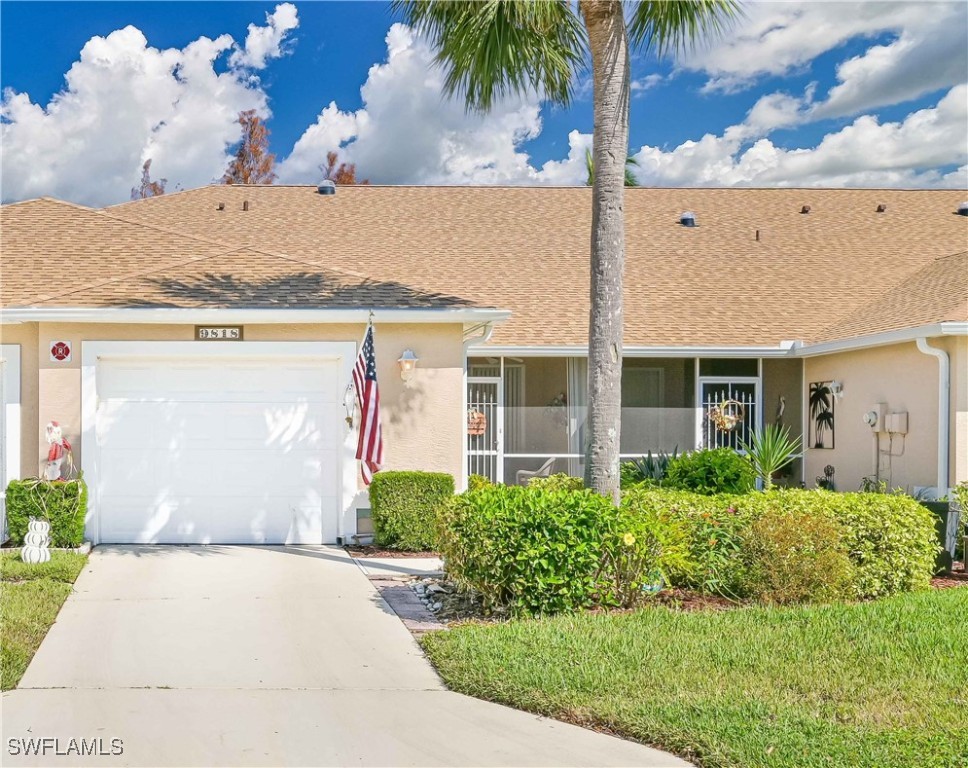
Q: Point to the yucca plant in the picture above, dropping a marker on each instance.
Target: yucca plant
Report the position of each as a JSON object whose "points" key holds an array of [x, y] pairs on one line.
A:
{"points": [[651, 467], [769, 450]]}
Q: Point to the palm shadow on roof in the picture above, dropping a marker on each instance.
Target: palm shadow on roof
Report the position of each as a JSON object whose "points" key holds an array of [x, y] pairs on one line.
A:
{"points": [[298, 290]]}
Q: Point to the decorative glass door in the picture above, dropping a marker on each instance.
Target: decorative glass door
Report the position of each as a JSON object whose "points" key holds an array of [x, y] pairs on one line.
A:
{"points": [[485, 430]]}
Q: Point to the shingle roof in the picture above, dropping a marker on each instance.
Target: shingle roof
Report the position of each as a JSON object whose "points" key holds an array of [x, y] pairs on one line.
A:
{"points": [[57, 254], [938, 292], [526, 249]]}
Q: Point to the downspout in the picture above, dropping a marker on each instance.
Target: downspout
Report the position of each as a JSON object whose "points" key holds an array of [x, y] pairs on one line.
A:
{"points": [[486, 331], [944, 409]]}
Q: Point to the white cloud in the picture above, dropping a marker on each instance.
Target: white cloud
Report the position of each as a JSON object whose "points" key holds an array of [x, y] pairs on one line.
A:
{"points": [[124, 102], [408, 132], [647, 83], [262, 43], [927, 52], [864, 153]]}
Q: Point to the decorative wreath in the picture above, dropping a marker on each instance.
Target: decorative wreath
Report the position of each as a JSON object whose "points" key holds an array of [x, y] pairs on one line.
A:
{"points": [[727, 415], [476, 422]]}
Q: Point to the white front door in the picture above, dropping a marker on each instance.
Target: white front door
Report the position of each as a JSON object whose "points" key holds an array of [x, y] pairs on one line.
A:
{"points": [[218, 450]]}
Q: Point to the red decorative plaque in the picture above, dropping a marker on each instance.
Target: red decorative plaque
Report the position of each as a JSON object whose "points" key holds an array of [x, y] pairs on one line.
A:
{"points": [[60, 351]]}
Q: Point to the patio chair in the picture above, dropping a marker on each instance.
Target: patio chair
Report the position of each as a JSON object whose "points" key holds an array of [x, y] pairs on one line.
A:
{"points": [[523, 475]]}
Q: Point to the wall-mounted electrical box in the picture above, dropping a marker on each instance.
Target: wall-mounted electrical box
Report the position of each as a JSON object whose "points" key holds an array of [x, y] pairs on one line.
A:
{"points": [[874, 418], [896, 423]]}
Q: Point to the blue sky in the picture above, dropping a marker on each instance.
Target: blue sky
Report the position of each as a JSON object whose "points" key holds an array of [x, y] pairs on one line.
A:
{"points": [[797, 94]]}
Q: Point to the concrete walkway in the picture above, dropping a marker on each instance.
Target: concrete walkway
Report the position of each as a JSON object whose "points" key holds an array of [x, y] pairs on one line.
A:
{"points": [[212, 656]]}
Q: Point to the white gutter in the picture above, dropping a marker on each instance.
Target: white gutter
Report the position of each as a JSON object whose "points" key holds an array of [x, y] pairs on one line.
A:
{"points": [[784, 349], [944, 409], [882, 339], [228, 316]]}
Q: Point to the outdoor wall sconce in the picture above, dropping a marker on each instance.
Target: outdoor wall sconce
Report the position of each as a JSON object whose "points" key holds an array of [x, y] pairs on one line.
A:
{"points": [[408, 363]]}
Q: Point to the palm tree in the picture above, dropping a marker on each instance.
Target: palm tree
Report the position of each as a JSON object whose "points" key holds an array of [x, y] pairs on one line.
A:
{"points": [[493, 48], [630, 180], [820, 411]]}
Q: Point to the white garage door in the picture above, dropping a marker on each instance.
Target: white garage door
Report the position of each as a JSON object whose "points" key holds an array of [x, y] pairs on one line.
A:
{"points": [[229, 451]]}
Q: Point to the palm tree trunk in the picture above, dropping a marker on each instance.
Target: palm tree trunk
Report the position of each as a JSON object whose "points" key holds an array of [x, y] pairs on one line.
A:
{"points": [[608, 44]]}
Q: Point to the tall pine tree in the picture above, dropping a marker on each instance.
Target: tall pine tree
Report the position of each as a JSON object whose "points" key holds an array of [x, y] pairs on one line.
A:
{"points": [[253, 163]]}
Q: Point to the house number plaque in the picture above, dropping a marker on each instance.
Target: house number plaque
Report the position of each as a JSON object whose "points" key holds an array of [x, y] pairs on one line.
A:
{"points": [[218, 333]]}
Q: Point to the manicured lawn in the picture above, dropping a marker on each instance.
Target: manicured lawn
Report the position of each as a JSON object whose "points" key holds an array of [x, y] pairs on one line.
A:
{"points": [[875, 684], [30, 597]]}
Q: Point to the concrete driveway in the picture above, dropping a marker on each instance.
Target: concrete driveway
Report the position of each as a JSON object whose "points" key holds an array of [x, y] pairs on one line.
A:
{"points": [[214, 656]]}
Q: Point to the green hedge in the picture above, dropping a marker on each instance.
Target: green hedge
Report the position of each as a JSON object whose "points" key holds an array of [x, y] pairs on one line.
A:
{"points": [[711, 471], [888, 539], [406, 507], [62, 503], [557, 482], [713, 532], [795, 556], [537, 551]]}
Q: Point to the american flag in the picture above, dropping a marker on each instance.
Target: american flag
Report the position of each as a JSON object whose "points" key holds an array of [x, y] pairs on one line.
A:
{"points": [[369, 450]]}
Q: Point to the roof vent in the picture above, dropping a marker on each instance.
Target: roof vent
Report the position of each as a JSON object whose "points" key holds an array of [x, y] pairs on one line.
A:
{"points": [[245, 205], [963, 209], [805, 209], [326, 187], [688, 219], [881, 208], [220, 207]]}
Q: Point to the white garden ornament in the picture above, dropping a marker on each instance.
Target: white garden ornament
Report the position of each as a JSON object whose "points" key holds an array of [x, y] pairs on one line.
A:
{"points": [[36, 548], [60, 449]]}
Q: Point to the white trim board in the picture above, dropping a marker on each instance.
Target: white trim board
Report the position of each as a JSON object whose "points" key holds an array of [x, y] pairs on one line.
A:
{"points": [[255, 316], [92, 351], [784, 349]]}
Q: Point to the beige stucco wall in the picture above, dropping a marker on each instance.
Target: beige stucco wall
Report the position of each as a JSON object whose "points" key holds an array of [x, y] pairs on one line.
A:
{"points": [[906, 380], [422, 418]]}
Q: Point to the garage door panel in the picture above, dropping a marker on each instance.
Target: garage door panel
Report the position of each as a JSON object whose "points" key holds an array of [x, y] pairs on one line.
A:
{"points": [[221, 381], [178, 465]]}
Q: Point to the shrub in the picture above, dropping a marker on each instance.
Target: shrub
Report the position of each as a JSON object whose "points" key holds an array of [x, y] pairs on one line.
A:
{"points": [[889, 538], [476, 482], [531, 549], [641, 556], [406, 507], [711, 471], [795, 557], [62, 503], [712, 529], [557, 482], [539, 551]]}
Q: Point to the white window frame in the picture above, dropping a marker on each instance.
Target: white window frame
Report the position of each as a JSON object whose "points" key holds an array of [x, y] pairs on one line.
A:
{"points": [[92, 351]]}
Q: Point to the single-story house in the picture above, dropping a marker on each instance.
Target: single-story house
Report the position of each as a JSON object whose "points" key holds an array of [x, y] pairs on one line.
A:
{"points": [[197, 347]]}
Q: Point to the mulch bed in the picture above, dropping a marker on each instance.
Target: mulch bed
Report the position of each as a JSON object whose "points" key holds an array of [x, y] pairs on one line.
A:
{"points": [[950, 580], [374, 551], [686, 600]]}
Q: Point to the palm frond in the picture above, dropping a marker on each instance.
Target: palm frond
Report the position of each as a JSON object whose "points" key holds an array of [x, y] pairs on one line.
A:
{"points": [[674, 26], [490, 49]]}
